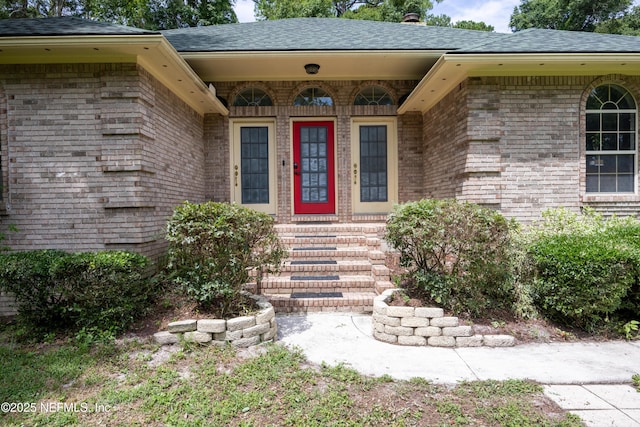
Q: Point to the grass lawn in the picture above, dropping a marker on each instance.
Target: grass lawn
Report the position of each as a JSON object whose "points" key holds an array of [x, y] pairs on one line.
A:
{"points": [[132, 383]]}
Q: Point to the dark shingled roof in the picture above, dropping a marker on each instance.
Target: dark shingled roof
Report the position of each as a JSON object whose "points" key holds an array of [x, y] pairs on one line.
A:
{"points": [[323, 34], [336, 34], [64, 26], [555, 41]]}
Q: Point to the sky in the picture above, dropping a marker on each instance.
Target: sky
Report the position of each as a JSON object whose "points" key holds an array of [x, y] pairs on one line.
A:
{"points": [[492, 12]]}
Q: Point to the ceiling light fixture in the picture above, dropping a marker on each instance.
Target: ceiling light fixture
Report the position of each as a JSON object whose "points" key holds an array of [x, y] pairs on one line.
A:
{"points": [[312, 68]]}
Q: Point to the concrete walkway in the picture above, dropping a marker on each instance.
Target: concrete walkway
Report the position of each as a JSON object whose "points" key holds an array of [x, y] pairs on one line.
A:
{"points": [[592, 380]]}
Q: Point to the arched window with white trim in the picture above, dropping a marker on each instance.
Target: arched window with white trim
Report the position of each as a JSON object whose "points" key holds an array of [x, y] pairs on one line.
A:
{"points": [[313, 96], [373, 95], [611, 140], [252, 97]]}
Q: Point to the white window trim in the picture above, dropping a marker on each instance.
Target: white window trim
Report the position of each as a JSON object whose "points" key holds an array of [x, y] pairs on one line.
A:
{"points": [[392, 165], [235, 171]]}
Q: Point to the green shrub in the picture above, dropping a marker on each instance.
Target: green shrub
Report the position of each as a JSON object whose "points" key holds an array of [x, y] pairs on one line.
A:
{"points": [[586, 268], [457, 253], [214, 246], [55, 290], [582, 278]]}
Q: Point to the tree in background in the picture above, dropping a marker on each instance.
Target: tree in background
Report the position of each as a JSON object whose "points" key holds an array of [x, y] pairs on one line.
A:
{"points": [[445, 21], [628, 23], [282, 9], [373, 10], [147, 14], [573, 15]]}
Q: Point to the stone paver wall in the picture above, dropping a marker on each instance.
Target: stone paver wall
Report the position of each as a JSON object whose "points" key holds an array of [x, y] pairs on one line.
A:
{"points": [[426, 326], [244, 331]]}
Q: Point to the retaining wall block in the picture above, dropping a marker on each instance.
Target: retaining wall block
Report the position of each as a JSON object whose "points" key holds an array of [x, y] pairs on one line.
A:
{"points": [[457, 331], [412, 340], [414, 322], [430, 312], [195, 336], [499, 341], [265, 315], [271, 334], [444, 322], [212, 325], [472, 341], [166, 337], [233, 335], [239, 323], [429, 331], [246, 342], [398, 330], [379, 306], [386, 294], [183, 326], [256, 330], [386, 320], [441, 341], [381, 336], [399, 311], [378, 326]]}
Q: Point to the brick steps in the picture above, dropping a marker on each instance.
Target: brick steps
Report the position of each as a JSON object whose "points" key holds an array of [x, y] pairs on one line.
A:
{"points": [[323, 240], [327, 260], [350, 302], [323, 252], [287, 285], [313, 267]]}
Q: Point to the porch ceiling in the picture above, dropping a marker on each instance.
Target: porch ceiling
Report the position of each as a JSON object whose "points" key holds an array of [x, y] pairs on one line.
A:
{"points": [[334, 65], [452, 69], [153, 52]]}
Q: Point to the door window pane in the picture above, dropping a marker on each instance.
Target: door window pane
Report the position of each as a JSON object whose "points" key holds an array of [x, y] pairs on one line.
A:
{"points": [[254, 164], [373, 164], [313, 164]]}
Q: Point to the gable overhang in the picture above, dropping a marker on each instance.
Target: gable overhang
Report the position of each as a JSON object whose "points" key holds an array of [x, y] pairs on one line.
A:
{"points": [[153, 52], [334, 65], [452, 69]]}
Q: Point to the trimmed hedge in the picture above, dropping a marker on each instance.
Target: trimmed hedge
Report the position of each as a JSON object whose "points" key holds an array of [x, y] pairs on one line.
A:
{"points": [[582, 279], [214, 246], [457, 253], [56, 290], [586, 269]]}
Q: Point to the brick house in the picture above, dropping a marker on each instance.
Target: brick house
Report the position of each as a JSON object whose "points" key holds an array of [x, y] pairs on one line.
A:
{"points": [[104, 128]]}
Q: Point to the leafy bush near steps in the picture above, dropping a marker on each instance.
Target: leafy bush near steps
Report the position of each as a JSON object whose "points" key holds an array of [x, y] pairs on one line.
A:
{"points": [[582, 279], [586, 269], [457, 253], [214, 246], [56, 290]]}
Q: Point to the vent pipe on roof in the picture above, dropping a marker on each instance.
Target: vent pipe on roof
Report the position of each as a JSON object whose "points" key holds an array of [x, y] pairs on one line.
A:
{"points": [[411, 17]]}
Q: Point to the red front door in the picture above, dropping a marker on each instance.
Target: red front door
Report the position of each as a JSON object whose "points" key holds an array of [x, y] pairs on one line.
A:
{"points": [[313, 173]]}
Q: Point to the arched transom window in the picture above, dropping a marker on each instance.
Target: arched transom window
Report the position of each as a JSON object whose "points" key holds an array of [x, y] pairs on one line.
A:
{"points": [[373, 95], [252, 97], [611, 119], [313, 96]]}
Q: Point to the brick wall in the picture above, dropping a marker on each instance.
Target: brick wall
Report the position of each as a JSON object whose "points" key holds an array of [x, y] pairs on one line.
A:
{"points": [[516, 144], [96, 156], [444, 146]]}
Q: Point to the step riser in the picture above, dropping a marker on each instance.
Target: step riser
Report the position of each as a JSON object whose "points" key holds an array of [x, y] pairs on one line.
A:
{"points": [[339, 241], [313, 255], [342, 285], [282, 304]]}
